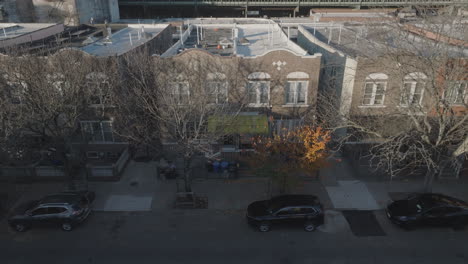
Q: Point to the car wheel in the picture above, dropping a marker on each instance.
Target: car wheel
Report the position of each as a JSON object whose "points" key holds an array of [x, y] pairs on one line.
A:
{"points": [[20, 227], [264, 227], [67, 227], [309, 227]]}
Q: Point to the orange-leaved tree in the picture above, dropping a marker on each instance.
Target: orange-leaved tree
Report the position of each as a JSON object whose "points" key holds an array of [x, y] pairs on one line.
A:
{"points": [[287, 155]]}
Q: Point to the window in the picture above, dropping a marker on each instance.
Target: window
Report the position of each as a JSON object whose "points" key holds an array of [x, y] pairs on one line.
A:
{"points": [[258, 89], [98, 85], [259, 92], [39, 211], [296, 88], [180, 92], [16, 87], [97, 131], [457, 92], [374, 89], [56, 210], [285, 212], [296, 92], [413, 89], [308, 211], [57, 81], [217, 92]]}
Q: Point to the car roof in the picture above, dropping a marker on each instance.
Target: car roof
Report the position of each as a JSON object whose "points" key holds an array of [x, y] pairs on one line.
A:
{"points": [[437, 199], [61, 198], [295, 200]]}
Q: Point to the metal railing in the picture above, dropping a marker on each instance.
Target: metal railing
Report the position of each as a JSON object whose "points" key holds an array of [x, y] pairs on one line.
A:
{"points": [[310, 3]]}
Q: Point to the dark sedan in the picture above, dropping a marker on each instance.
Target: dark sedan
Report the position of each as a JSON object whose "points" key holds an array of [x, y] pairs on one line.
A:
{"points": [[428, 209], [304, 210]]}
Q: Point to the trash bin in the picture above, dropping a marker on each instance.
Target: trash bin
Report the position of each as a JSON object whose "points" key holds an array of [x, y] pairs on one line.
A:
{"points": [[216, 166], [224, 165]]}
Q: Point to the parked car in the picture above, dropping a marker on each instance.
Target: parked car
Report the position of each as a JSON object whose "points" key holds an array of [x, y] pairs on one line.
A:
{"points": [[66, 209], [428, 209], [304, 210]]}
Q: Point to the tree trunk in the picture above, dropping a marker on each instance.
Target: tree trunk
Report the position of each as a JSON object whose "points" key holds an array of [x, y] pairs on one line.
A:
{"points": [[428, 180], [188, 185]]}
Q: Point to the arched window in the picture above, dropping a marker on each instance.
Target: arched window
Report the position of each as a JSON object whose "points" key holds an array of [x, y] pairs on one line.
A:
{"points": [[374, 89], [180, 90], [98, 85], [413, 89], [296, 88], [217, 88], [258, 89]]}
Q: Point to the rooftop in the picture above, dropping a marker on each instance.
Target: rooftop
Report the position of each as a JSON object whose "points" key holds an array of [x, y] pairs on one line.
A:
{"points": [[18, 33], [124, 40], [13, 30], [235, 37], [374, 39]]}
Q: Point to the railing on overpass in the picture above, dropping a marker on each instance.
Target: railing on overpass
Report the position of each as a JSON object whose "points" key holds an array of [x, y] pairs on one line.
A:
{"points": [[310, 3]]}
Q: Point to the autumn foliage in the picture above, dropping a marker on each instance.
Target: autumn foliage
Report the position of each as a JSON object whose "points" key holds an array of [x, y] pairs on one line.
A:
{"points": [[286, 155]]}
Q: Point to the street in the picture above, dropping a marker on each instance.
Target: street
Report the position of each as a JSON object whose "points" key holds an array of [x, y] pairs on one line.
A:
{"points": [[222, 236]]}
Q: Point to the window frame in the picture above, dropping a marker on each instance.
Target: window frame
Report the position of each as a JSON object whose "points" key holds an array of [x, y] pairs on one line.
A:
{"points": [[455, 86], [374, 93], [258, 95], [409, 102], [175, 91], [219, 85], [295, 93]]}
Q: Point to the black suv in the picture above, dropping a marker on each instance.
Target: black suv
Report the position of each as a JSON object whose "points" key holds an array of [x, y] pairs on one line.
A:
{"points": [[304, 210], [428, 209], [66, 209]]}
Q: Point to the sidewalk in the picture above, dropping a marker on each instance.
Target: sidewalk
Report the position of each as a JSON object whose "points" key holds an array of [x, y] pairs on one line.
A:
{"points": [[347, 191], [139, 189]]}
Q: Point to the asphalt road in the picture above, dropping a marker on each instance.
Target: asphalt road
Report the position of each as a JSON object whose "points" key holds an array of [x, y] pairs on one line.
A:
{"points": [[213, 236]]}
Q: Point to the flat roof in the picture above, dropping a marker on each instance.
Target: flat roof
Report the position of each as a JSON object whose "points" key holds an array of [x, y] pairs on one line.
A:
{"points": [[124, 40], [373, 40], [254, 37], [13, 30]]}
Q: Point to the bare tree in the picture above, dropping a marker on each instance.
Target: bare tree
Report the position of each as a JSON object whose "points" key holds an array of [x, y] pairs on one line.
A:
{"points": [[424, 124], [187, 100], [51, 95]]}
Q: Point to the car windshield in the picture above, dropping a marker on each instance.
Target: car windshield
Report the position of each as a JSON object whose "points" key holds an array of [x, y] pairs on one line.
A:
{"points": [[275, 204], [416, 204]]}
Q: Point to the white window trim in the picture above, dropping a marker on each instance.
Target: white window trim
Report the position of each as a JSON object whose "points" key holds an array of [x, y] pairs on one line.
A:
{"points": [[258, 95], [174, 92], [295, 103], [411, 95], [465, 91], [226, 93], [374, 90]]}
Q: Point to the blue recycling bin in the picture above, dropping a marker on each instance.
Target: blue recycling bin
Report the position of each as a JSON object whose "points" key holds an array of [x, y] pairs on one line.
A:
{"points": [[224, 165], [216, 166]]}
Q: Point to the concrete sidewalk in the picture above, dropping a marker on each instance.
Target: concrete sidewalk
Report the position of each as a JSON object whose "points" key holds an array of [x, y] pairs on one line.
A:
{"points": [[140, 189], [348, 191]]}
